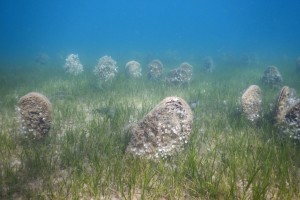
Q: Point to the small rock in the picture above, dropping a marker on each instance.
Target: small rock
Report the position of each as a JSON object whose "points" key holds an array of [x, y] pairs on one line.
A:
{"points": [[194, 104]]}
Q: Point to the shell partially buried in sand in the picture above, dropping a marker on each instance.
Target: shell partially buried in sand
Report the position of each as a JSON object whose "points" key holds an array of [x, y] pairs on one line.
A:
{"points": [[251, 103], [163, 131], [34, 110]]}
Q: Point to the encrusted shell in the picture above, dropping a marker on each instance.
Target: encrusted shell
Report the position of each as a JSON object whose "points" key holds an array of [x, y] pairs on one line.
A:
{"points": [[155, 68], [163, 131], [282, 104], [133, 69], [181, 75], [292, 120], [34, 111], [251, 102], [272, 76]]}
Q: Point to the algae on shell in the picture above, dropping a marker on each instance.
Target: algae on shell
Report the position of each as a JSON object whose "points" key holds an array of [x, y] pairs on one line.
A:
{"points": [[163, 131]]}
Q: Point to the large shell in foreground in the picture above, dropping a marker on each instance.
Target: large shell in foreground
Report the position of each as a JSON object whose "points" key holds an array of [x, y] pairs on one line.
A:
{"points": [[251, 103], [163, 131], [34, 110]]}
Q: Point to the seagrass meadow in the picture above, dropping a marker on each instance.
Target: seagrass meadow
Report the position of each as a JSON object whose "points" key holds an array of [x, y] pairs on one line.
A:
{"points": [[83, 156]]}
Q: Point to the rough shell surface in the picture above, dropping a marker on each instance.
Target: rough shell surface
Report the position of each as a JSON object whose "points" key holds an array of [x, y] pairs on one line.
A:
{"points": [[181, 75], [155, 70], [133, 69], [163, 131], [272, 76], [187, 67], [285, 100], [106, 69], [34, 111], [73, 65], [251, 102], [292, 122]]}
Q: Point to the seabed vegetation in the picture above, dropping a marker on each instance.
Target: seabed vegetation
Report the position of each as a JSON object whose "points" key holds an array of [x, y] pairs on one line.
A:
{"points": [[83, 157]]}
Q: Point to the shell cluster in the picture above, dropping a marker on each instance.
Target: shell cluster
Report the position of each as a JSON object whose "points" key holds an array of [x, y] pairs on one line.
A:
{"points": [[251, 103], [34, 113], [106, 69], [133, 69], [155, 70], [272, 76], [72, 65], [163, 131], [287, 109], [181, 75]]}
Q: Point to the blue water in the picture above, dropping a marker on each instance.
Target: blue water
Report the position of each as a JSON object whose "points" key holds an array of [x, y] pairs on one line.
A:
{"points": [[93, 28]]}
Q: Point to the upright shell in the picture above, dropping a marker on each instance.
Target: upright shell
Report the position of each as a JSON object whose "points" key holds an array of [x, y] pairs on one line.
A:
{"points": [[155, 70], [288, 113], [181, 75], [272, 76], [133, 69], [163, 131], [34, 112], [251, 103], [292, 122], [285, 100], [106, 69]]}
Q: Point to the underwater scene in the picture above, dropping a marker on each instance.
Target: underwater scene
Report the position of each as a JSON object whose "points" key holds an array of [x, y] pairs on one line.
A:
{"points": [[135, 99]]}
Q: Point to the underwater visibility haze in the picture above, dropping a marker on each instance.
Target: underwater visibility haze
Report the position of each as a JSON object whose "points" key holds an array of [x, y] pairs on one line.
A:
{"points": [[97, 27], [160, 99]]}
